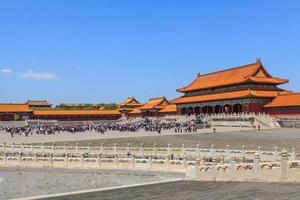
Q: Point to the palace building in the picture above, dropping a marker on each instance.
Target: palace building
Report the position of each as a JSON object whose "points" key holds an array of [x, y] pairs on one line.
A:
{"points": [[135, 113], [12, 112], [153, 106], [170, 109], [246, 88], [129, 105], [284, 105], [34, 104]]}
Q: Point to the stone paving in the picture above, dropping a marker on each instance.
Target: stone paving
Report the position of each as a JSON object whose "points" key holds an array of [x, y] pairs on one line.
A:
{"points": [[197, 191], [17, 183], [66, 136], [267, 139]]}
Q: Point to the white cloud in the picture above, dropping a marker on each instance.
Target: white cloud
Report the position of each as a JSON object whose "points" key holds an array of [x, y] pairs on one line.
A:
{"points": [[39, 75], [5, 71]]}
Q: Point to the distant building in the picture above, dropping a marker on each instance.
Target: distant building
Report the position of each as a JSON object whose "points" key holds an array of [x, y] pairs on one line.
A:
{"points": [[76, 115], [170, 109], [80, 104], [33, 104], [153, 106], [135, 113], [13, 112], [129, 105]]}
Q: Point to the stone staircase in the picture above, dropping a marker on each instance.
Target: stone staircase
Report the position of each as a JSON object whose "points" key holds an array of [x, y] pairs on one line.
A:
{"points": [[243, 120], [266, 120]]}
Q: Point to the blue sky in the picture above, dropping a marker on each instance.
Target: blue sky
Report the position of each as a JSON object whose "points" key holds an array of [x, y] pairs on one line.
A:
{"points": [[105, 51]]}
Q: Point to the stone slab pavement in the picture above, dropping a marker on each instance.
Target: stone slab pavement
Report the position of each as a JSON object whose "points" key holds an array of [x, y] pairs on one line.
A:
{"points": [[190, 190]]}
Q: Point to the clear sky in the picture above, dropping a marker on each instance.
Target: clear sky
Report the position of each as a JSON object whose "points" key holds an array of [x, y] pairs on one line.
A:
{"points": [[105, 51]]}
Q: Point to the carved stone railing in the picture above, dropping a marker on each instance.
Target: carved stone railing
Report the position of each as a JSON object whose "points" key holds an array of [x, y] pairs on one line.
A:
{"points": [[283, 170], [198, 164], [177, 152], [99, 161]]}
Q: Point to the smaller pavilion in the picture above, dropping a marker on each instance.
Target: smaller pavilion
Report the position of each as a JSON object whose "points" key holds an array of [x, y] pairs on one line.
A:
{"points": [[169, 110], [129, 105], [135, 113], [34, 104], [153, 106]]}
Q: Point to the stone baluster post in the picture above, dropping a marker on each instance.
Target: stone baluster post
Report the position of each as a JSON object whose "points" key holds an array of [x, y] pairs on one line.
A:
{"points": [[22, 147], [150, 162], [167, 162], [212, 151], [243, 155], [259, 152], [128, 149], [66, 147], [13, 147], [51, 160], [102, 148], [115, 147], [99, 161], [214, 169], [284, 167], [233, 169], [198, 151], [184, 163], [169, 150], [4, 147], [202, 161], [82, 159], [53, 148], [77, 148], [20, 159], [35, 159], [32, 148], [276, 155], [132, 162], [155, 149], [255, 168], [43, 148], [183, 150], [90, 148], [66, 160], [142, 149], [293, 154], [116, 161], [5, 159]]}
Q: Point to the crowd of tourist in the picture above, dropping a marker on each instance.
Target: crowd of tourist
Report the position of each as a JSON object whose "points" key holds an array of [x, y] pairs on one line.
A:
{"points": [[51, 129]]}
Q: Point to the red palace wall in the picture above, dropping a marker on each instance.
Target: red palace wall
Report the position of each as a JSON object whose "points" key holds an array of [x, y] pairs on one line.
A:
{"points": [[256, 107], [7, 117], [77, 118], [287, 111]]}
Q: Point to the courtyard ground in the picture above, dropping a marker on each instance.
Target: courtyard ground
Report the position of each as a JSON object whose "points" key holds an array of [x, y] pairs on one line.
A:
{"points": [[197, 191], [251, 139], [17, 183], [267, 139]]}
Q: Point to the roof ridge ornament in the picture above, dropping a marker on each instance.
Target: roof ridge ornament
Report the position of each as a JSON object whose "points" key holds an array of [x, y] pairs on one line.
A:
{"points": [[258, 60], [198, 74]]}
